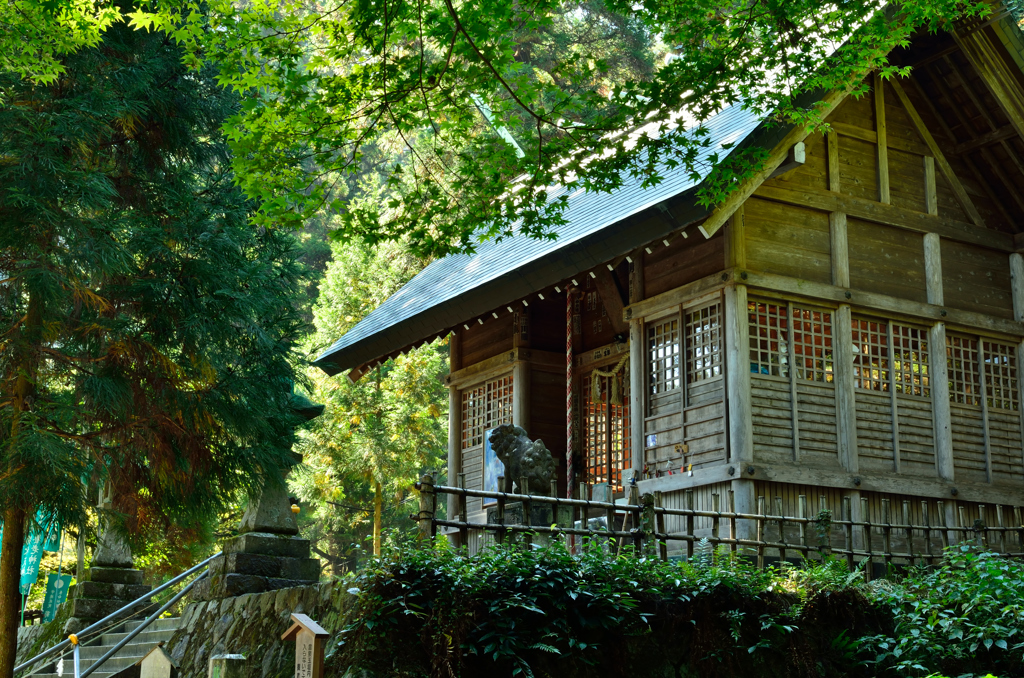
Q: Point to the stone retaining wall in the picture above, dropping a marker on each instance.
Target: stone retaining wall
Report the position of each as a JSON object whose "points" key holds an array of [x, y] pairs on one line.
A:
{"points": [[252, 625]]}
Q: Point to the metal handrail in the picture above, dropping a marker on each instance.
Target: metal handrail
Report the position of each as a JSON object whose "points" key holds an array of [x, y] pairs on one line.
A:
{"points": [[136, 631], [114, 615]]}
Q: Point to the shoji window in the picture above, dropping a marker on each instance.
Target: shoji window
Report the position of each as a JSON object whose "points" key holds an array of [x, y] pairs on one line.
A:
{"points": [[1000, 369], [962, 365], [775, 326], [663, 356], [703, 343], [484, 407], [606, 428], [769, 338]]}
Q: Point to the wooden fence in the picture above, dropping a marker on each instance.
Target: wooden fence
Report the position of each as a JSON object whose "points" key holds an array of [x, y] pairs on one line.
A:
{"points": [[762, 535]]}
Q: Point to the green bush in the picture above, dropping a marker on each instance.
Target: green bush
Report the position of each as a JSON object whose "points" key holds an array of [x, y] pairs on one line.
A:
{"points": [[964, 617], [541, 612]]}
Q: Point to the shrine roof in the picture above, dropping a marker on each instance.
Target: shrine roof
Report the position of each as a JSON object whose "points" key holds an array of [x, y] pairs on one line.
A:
{"points": [[600, 227]]}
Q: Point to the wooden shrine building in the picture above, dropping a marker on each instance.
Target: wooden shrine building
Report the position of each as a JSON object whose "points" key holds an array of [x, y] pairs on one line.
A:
{"points": [[848, 324]]}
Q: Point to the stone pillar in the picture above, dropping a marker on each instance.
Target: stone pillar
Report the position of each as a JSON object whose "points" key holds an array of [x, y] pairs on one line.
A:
{"points": [[112, 582], [268, 554]]}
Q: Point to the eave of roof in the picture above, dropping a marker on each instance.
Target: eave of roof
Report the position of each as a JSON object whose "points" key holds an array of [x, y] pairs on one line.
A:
{"points": [[600, 227]]}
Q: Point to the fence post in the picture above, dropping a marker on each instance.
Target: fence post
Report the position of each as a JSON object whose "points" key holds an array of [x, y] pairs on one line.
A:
{"points": [[1002, 528], [714, 520], [962, 523], [760, 532], [659, 522], [909, 528], [801, 508], [886, 535], [689, 526], [865, 516], [981, 529], [1020, 528], [944, 532], [847, 514], [524, 487], [640, 529], [647, 526], [425, 518], [463, 514], [732, 521], [499, 534], [782, 529], [930, 557]]}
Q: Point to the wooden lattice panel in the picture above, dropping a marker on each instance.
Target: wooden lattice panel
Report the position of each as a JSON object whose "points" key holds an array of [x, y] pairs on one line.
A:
{"points": [[769, 331], [962, 365], [663, 359], [1000, 363], [485, 407], [598, 441], [704, 343], [910, 360], [871, 354], [812, 344]]}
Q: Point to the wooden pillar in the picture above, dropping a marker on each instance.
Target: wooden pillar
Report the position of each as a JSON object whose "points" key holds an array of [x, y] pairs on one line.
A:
{"points": [[1017, 286], [883, 144], [637, 365], [933, 268], [454, 449], [846, 402], [741, 431], [521, 395], [839, 249], [937, 369], [737, 351]]}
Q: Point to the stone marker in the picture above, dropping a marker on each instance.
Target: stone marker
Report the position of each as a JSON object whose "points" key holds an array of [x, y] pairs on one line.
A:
{"points": [[227, 666], [309, 646], [157, 664]]}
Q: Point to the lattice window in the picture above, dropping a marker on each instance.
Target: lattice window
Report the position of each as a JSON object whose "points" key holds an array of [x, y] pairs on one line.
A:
{"points": [[598, 441], [871, 363], [910, 360], [704, 343], [663, 360], [812, 344], [485, 407], [962, 365], [1000, 362], [769, 329]]}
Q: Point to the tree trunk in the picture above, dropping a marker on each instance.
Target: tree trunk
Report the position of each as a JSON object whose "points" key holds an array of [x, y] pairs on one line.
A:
{"points": [[377, 508], [10, 580]]}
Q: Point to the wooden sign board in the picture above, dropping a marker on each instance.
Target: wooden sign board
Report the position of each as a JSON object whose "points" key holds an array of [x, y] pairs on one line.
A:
{"points": [[309, 646]]}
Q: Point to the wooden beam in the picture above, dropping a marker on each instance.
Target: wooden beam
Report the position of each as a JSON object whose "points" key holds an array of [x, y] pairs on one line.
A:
{"points": [[611, 297], [737, 373], [882, 146], [637, 366], [938, 381], [870, 136], [739, 195], [846, 401], [983, 55], [840, 249], [890, 215], [931, 197], [986, 139], [736, 241], [676, 296], [834, 183], [940, 159], [933, 268], [803, 289]]}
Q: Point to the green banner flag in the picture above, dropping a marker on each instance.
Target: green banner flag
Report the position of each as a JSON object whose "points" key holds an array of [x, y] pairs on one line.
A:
{"points": [[56, 594]]}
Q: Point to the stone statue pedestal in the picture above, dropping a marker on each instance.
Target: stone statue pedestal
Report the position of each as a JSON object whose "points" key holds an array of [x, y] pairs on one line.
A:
{"points": [[267, 555], [111, 583]]}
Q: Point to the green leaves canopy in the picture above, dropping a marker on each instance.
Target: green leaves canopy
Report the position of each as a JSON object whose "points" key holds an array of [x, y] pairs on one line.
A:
{"points": [[146, 330]]}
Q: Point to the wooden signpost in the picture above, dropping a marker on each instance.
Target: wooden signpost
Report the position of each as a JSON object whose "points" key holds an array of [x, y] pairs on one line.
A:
{"points": [[309, 646]]}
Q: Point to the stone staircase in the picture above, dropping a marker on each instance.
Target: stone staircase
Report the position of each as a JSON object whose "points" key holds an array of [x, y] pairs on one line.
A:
{"points": [[159, 631]]}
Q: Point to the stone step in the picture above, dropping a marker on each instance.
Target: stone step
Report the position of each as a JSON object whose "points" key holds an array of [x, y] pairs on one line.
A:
{"points": [[162, 624], [146, 639], [150, 636]]}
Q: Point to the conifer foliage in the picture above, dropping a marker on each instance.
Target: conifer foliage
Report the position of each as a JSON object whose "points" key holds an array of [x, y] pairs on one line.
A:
{"points": [[146, 328]]}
